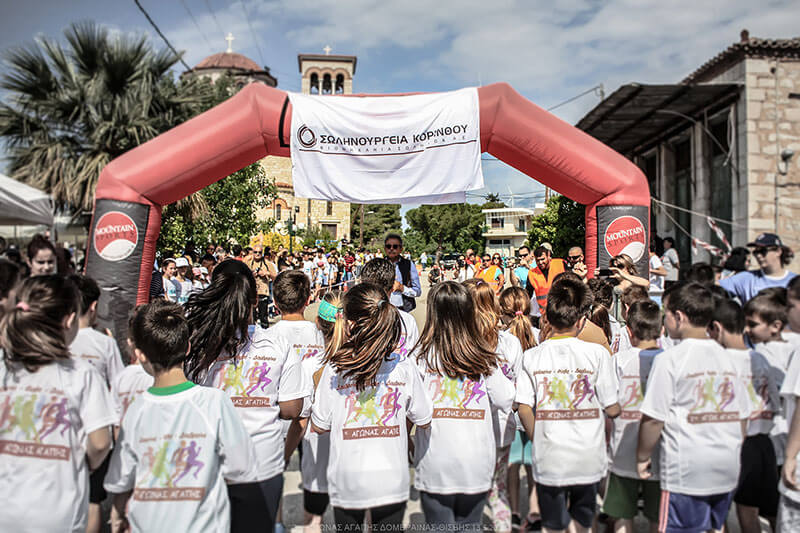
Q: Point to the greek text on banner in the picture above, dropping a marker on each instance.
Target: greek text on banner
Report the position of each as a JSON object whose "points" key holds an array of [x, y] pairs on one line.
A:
{"points": [[372, 149]]}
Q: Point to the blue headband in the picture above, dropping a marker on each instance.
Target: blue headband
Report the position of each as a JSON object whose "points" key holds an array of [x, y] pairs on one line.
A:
{"points": [[327, 311]]}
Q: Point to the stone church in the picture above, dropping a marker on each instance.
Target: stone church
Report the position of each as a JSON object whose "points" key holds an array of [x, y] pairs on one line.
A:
{"points": [[322, 74]]}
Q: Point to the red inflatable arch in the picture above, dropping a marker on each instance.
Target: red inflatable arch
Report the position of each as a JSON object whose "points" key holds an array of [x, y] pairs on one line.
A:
{"points": [[256, 122]]}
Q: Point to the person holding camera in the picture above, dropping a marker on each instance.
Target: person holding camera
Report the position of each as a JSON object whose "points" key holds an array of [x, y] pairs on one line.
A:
{"points": [[576, 262], [264, 271]]}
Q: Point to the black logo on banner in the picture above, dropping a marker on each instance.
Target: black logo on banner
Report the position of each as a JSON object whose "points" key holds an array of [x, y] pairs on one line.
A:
{"points": [[306, 137]]}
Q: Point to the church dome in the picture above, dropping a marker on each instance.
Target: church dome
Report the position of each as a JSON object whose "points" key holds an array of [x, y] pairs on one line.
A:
{"points": [[229, 60]]}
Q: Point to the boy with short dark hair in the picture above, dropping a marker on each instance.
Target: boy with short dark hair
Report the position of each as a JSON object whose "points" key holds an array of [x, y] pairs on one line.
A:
{"points": [[696, 399], [102, 352], [624, 486], [757, 492], [178, 443], [569, 383]]}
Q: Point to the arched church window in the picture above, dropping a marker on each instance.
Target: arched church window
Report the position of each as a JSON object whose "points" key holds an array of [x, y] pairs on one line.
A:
{"points": [[314, 84], [327, 87], [339, 84]]}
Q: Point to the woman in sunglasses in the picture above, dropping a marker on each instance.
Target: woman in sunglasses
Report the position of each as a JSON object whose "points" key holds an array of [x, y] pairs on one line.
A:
{"points": [[491, 271]]}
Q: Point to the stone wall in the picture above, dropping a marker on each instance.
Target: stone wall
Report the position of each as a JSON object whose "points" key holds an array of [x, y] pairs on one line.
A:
{"points": [[312, 212], [773, 125]]}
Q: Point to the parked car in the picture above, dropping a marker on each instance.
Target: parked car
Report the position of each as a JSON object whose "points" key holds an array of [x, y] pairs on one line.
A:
{"points": [[449, 261]]}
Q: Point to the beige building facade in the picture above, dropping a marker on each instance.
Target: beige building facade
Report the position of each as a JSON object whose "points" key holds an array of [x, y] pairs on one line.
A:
{"points": [[321, 75], [724, 142]]}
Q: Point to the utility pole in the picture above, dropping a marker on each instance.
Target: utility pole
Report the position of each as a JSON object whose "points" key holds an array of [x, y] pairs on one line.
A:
{"points": [[361, 229], [291, 223]]}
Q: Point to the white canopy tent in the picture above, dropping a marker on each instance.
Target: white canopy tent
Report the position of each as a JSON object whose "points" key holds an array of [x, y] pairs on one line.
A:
{"points": [[21, 204]]}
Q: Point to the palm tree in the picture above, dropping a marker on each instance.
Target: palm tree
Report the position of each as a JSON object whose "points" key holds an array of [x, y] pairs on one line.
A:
{"points": [[71, 110]]}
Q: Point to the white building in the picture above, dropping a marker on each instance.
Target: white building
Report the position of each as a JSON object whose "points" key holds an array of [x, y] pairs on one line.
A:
{"points": [[507, 229]]}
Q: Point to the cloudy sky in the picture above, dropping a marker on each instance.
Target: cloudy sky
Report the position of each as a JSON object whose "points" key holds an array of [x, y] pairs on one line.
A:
{"points": [[549, 51]]}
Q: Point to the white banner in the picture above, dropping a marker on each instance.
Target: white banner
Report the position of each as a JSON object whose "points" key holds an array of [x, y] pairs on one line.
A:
{"points": [[386, 149]]}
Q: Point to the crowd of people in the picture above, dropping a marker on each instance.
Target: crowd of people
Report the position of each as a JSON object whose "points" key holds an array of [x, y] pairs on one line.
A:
{"points": [[680, 395]]}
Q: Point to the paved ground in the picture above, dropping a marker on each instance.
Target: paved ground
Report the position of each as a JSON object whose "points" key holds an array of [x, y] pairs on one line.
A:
{"points": [[293, 492]]}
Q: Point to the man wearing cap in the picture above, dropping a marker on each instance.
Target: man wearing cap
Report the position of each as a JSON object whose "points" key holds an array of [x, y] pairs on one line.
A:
{"points": [[772, 257]]}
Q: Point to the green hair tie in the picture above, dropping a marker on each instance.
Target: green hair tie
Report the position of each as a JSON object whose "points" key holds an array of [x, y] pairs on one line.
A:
{"points": [[327, 311]]}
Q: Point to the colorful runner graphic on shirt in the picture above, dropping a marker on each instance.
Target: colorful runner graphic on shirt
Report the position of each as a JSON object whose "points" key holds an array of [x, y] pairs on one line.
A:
{"points": [[457, 398], [306, 351], [713, 397], [372, 413], [246, 380], [758, 393], [35, 424], [632, 397], [565, 396], [171, 469]]}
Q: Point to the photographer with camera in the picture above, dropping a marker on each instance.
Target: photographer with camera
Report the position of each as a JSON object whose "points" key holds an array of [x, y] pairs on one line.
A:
{"points": [[576, 263]]}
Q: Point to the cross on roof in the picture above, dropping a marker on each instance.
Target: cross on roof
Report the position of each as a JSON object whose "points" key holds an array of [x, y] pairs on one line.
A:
{"points": [[327, 49], [230, 39]]}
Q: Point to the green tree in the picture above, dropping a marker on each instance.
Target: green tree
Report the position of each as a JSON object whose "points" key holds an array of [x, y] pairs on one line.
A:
{"points": [[234, 200], [562, 224], [446, 228], [379, 219], [316, 235], [72, 109]]}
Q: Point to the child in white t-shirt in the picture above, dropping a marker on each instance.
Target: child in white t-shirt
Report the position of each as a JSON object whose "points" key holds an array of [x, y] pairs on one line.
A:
{"points": [[455, 457], [789, 506], [695, 398], [102, 352], [515, 308], [565, 387], [178, 443], [315, 447], [765, 318], [259, 369], [624, 488], [55, 412], [509, 356], [96, 348], [365, 396], [757, 492]]}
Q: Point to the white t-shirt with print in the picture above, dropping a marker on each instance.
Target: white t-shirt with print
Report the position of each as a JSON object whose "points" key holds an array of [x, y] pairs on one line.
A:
{"points": [[411, 333], [504, 423], [100, 350], [790, 391], [267, 371], [568, 383], [314, 464], [128, 385], [763, 393], [186, 290], [175, 451], [45, 419], [632, 380], [368, 439], [457, 453], [778, 354], [695, 388], [656, 280]]}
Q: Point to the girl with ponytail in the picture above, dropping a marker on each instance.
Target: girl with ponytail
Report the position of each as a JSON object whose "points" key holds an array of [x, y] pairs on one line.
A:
{"points": [[458, 355], [509, 355], [56, 413], [366, 395], [515, 307], [262, 380]]}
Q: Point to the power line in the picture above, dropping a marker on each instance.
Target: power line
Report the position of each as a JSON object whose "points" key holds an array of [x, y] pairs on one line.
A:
{"points": [[253, 33], [155, 27], [216, 20], [196, 25], [597, 89]]}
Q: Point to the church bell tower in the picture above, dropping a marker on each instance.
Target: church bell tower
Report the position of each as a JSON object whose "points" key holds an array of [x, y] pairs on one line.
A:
{"points": [[326, 74]]}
